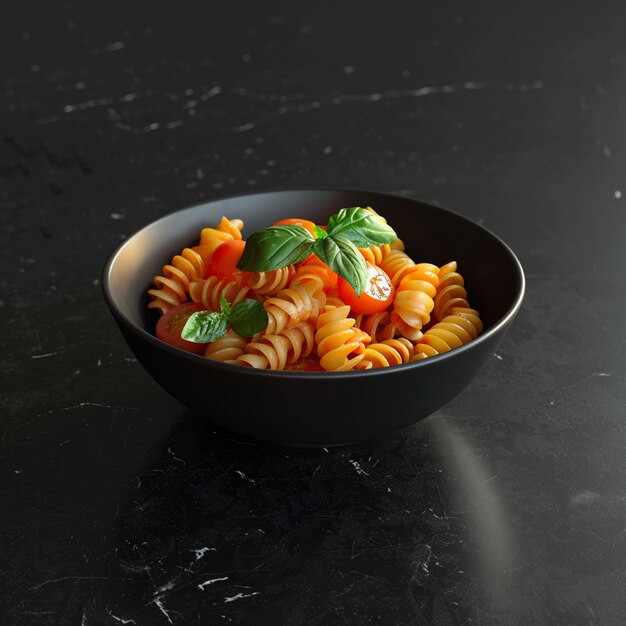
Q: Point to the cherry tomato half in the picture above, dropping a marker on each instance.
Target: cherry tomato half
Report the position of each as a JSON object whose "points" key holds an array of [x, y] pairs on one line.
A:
{"points": [[171, 324], [296, 221], [377, 296], [224, 261]]}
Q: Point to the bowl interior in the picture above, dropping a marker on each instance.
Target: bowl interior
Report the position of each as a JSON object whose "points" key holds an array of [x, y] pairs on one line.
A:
{"points": [[493, 276]]}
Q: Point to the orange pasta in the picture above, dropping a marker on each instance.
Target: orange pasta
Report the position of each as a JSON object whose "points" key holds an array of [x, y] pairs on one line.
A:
{"points": [[310, 323]]}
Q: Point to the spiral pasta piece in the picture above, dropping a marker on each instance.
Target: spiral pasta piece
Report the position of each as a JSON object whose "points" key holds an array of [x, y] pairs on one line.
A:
{"points": [[451, 291], [265, 284], [208, 291], [173, 285], [411, 310], [337, 340], [315, 269], [232, 227], [387, 353], [211, 238], [452, 332], [377, 325], [294, 304], [275, 352], [375, 254], [226, 348]]}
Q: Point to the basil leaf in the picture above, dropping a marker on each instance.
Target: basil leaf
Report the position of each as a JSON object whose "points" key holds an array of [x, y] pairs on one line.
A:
{"points": [[320, 233], [224, 306], [248, 317], [204, 326], [341, 255], [275, 247], [361, 227]]}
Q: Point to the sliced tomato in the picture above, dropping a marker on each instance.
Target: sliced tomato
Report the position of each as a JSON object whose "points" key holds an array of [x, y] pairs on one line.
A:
{"points": [[171, 324], [296, 221], [224, 261], [378, 294]]}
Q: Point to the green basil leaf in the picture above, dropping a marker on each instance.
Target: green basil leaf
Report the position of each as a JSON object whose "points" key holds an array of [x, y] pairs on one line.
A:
{"points": [[320, 233], [341, 255], [248, 317], [224, 306], [275, 247], [361, 227], [204, 326]]}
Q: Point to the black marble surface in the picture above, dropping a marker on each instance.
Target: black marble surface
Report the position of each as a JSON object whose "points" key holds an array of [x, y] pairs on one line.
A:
{"points": [[117, 506]]}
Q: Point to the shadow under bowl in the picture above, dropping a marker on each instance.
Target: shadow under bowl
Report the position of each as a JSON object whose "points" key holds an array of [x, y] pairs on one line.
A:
{"points": [[316, 408]]}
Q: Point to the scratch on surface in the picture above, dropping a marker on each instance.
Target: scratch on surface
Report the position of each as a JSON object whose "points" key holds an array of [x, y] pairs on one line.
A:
{"points": [[578, 382], [300, 103], [240, 596], [121, 620], [202, 551], [206, 583], [357, 468], [43, 356], [297, 104], [159, 604], [98, 404], [176, 458], [166, 587], [56, 580]]}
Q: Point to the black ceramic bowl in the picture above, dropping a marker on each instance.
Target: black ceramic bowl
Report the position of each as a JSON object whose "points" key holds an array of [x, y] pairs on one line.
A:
{"points": [[316, 408]]}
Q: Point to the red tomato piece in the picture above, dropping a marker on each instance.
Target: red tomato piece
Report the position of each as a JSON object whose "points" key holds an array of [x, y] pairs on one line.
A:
{"points": [[171, 324], [378, 294], [296, 221], [224, 261]]}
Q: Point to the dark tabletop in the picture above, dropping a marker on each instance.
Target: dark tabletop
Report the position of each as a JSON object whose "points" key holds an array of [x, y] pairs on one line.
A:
{"points": [[118, 506]]}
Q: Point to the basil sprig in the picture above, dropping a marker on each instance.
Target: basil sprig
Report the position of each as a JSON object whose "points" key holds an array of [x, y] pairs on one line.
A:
{"points": [[278, 246], [274, 247], [247, 318]]}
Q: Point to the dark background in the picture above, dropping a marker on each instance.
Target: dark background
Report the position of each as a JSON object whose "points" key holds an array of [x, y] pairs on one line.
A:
{"points": [[507, 506]]}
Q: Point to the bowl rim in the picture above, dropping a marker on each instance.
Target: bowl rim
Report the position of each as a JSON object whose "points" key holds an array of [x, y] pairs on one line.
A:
{"points": [[305, 375]]}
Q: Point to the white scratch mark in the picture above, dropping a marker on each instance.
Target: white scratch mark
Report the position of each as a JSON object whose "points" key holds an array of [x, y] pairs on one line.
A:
{"points": [[202, 551], [89, 104], [158, 602], [239, 596], [176, 458], [166, 587], [43, 356], [359, 470], [500, 358], [121, 620], [117, 216], [206, 583]]}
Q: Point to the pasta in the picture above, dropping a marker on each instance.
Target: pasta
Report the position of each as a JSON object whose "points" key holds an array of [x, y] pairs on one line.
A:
{"points": [[337, 339], [270, 283], [453, 331], [277, 351], [294, 304], [208, 292], [172, 287], [314, 319]]}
